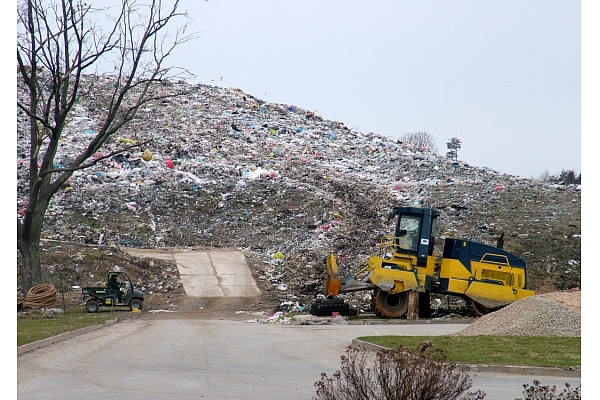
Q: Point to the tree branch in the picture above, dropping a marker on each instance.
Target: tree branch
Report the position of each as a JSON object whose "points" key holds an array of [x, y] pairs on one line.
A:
{"points": [[96, 160]]}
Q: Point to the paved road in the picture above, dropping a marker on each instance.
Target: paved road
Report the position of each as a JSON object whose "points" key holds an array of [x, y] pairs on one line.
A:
{"points": [[158, 358], [208, 273], [170, 357]]}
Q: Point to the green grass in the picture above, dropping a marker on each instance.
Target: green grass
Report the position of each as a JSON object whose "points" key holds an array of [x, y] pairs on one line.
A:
{"points": [[495, 350], [33, 327]]}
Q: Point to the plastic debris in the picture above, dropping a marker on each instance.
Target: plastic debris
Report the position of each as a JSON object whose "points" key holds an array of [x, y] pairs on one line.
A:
{"points": [[147, 155], [230, 170]]}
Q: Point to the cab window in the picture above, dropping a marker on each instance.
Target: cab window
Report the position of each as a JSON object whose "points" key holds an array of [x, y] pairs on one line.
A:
{"points": [[412, 226]]}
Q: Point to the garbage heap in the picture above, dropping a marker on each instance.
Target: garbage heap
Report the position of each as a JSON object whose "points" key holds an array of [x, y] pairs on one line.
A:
{"points": [[226, 169]]}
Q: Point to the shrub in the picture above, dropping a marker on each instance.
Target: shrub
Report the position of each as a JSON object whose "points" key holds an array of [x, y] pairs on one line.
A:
{"points": [[395, 375], [539, 392]]}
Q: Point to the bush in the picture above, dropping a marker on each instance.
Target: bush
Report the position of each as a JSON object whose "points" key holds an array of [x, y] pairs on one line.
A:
{"points": [[539, 392], [395, 375]]}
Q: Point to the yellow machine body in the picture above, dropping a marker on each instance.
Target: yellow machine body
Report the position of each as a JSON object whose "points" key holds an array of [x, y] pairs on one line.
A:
{"points": [[489, 276], [394, 271], [486, 276]]}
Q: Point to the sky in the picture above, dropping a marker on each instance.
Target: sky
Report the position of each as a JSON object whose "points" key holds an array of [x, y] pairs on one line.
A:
{"points": [[504, 77]]}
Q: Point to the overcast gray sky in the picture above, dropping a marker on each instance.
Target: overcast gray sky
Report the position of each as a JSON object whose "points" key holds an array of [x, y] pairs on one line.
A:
{"points": [[502, 76]]}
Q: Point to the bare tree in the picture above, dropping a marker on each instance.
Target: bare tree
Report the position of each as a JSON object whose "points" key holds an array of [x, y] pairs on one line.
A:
{"points": [[420, 139], [60, 49], [544, 177]]}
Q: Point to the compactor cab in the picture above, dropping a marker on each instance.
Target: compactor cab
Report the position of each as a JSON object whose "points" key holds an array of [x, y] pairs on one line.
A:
{"points": [[485, 276], [415, 230]]}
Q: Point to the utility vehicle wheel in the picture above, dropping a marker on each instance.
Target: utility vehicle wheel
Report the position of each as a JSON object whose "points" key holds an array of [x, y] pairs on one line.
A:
{"points": [[479, 309], [92, 306], [136, 305], [390, 305]]}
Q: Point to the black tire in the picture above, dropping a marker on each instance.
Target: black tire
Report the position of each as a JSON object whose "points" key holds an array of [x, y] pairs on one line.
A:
{"points": [[136, 304], [326, 307], [479, 309], [424, 305], [390, 305], [92, 306]]}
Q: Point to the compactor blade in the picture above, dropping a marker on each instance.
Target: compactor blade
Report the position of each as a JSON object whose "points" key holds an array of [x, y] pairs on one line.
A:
{"points": [[334, 280], [350, 284]]}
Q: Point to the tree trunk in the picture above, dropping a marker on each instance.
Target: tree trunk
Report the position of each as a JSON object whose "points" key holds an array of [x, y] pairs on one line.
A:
{"points": [[56, 45], [30, 269], [413, 304], [29, 234]]}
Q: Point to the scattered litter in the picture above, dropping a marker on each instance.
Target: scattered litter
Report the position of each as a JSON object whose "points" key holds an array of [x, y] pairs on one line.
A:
{"points": [[339, 320], [226, 169]]}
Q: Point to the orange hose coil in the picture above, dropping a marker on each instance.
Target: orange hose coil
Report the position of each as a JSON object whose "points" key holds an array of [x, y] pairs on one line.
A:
{"points": [[39, 296]]}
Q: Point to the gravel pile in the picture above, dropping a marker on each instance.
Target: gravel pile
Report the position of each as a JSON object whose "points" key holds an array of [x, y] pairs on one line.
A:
{"points": [[531, 316]]}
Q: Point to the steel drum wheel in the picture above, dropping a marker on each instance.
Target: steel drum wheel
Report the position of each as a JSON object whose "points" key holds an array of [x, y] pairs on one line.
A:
{"points": [[390, 305]]}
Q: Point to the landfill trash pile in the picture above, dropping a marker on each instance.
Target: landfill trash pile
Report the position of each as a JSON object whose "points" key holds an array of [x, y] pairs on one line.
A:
{"points": [[226, 169], [531, 316]]}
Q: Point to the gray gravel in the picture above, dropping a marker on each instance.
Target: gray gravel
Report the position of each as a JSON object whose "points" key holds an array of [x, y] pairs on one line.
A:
{"points": [[531, 316]]}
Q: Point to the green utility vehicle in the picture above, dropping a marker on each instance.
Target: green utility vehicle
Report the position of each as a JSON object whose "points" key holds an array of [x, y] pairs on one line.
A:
{"points": [[118, 292]]}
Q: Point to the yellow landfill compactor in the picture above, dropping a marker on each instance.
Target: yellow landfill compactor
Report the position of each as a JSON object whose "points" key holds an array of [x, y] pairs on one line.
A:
{"points": [[487, 277]]}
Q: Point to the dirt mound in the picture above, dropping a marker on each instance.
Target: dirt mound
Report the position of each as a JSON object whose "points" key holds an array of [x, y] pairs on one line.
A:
{"points": [[571, 298]]}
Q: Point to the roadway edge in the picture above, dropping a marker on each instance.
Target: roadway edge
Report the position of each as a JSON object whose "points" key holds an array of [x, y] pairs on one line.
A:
{"points": [[59, 338]]}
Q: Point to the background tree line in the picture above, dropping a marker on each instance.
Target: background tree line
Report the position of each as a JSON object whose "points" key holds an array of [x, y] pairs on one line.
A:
{"points": [[425, 140], [566, 177]]}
